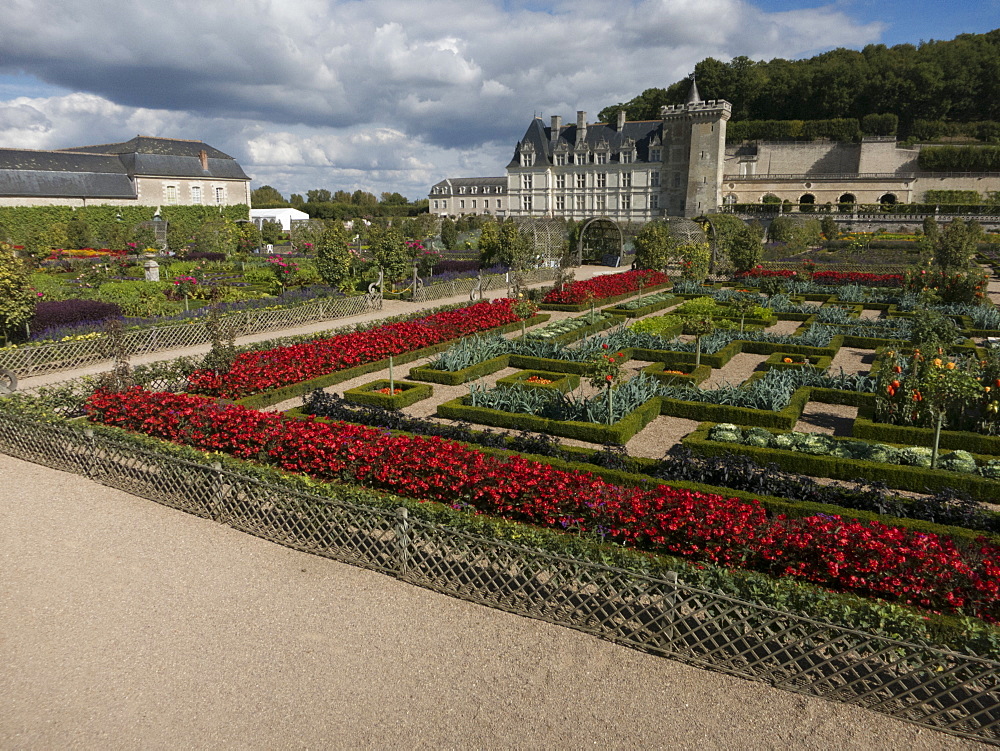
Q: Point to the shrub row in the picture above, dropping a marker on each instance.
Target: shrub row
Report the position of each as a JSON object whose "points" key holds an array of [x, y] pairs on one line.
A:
{"points": [[369, 394], [916, 479]]}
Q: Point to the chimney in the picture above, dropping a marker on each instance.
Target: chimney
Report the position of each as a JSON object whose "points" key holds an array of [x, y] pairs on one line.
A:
{"points": [[556, 126], [581, 126], [621, 120], [203, 156]]}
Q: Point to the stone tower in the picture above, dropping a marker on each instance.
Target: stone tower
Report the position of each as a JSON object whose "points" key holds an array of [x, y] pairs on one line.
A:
{"points": [[694, 143]]}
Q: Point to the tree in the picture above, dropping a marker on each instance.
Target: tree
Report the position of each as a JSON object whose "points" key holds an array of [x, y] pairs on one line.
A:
{"points": [[266, 197], [956, 246], [449, 234], [249, 239], [654, 246], [389, 250], [321, 195], [296, 200], [506, 245], [333, 255], [216, 236], [697, 327], [831, 231], [394, 199], [17, 299], [363, 198], [271, 232], [745, 249]]}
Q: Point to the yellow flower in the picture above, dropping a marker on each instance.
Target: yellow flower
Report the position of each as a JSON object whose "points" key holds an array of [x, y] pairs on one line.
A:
{"points": [[950, 365], [936, 362]]}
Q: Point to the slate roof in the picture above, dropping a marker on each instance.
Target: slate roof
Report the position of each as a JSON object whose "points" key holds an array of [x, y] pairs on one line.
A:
{"points": [[457, 182], [106, 170], [539, 136]]}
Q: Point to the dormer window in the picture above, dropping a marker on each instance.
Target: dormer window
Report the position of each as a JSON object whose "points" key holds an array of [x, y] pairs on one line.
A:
{"points": [[626, 157], [560, 160], [461, 190], [655, 155], [475, 189], [601, 157]]}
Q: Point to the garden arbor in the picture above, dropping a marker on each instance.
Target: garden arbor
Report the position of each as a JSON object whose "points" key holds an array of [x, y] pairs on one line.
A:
{"points": [[600, 237]]}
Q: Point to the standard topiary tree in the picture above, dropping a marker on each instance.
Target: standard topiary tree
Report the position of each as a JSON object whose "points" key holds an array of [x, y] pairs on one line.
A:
{"points": [[388, 248]]}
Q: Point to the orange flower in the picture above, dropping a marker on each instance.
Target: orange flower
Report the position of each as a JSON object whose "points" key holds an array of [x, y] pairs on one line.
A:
{"points": [[949, 365]]}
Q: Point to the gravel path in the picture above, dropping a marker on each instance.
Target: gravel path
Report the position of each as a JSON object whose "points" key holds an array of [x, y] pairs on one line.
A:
{"points": [[130, 625]]}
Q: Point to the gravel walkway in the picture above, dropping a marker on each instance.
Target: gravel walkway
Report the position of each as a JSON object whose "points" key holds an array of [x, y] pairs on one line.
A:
{"points": [[130, 625]]}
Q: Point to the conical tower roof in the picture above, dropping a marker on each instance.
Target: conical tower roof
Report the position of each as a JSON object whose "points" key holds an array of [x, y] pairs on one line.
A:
{"points": [[693, 96]]}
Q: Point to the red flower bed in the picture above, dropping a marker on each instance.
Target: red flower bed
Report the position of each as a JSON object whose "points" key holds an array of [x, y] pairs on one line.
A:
{"points": [[858, 277], [253, 372], [864, 558], [609, 285], [832, 278]]}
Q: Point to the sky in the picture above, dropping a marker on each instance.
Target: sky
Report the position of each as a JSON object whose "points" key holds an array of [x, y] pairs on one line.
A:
{"points": [[391, 95]]}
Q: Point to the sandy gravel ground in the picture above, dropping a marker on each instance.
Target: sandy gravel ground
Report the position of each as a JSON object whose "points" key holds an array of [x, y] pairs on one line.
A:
{"points": [[126, 624]]}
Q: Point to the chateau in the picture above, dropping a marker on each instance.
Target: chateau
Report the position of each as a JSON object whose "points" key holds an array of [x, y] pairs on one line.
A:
{"points": [[142, 171], [679, 165]]}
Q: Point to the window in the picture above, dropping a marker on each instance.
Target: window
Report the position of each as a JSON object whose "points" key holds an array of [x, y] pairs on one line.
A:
{"points": [[625, 202], [171, 193], [462, 190], [444, 205], [581, 158], [526, 203], [220, 196], [196, 194], [499, 189], [626, 157], [561, 181], [473, 203], [654, 201], [580, 205], [527, 181], [654, 179], [560, 160], [436, 205], [560, 203], [581, 180], [602, 158], [626, 179], [600, 203], [655, 155], [461, 204], [475, 189], [602, 179], [677, 179]]}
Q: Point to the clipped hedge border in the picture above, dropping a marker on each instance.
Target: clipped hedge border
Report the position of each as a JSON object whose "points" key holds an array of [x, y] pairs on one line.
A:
{"points": [[775, 361], [458, 377], [724, 355], [645, 310], [368, 394], [693, 374], [619, 433], [600, 302], [560, 381], [917, 479], [866, 428], [785, 419], [276, 396], [529, 362], [584, 331]]}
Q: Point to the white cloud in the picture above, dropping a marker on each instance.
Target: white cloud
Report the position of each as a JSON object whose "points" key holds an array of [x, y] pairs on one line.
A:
{"points": [[390, 92]]}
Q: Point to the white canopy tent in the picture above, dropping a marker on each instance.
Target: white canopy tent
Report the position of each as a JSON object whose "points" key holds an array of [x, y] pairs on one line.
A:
{"points": [[285, 217]]}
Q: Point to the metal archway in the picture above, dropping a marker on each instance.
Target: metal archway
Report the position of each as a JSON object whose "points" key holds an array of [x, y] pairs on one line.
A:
{"points": [[610, 229]]}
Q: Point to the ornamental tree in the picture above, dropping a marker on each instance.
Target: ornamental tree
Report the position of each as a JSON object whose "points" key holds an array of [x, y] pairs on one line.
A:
{"points": [[390, 252], [954, 249], [334, 256], [654, 246], [17, 298], [698, 327]]}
